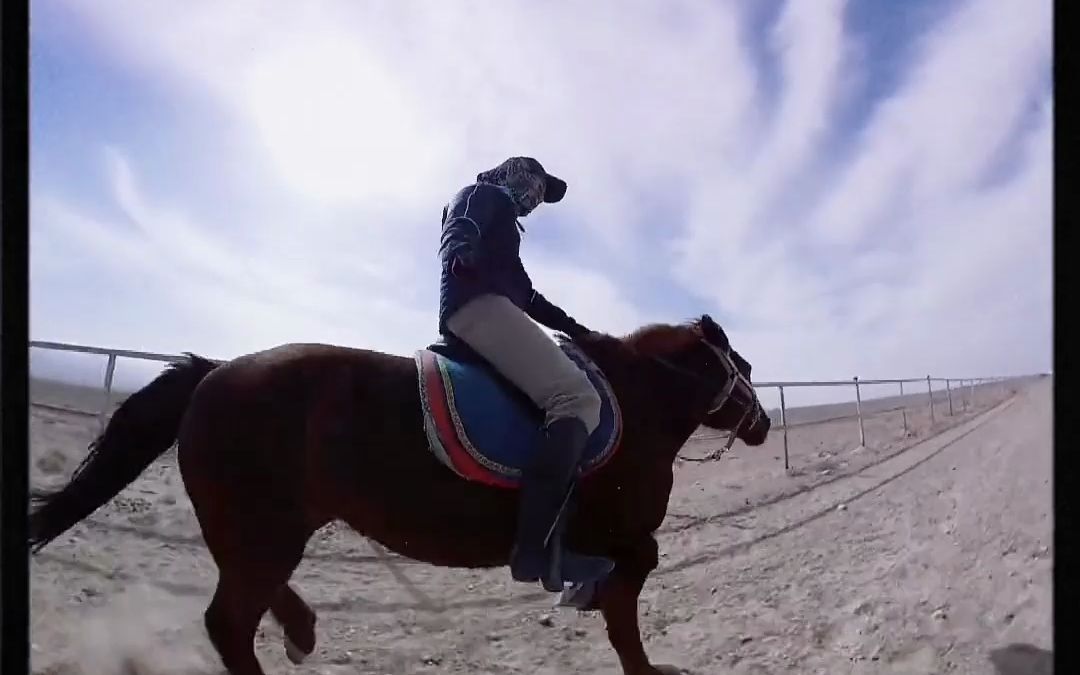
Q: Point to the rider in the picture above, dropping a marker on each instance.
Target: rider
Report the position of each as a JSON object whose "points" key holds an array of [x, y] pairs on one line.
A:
{"points": [[486, 301]]}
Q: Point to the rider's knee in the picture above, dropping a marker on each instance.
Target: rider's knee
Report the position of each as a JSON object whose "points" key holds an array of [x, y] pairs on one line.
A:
{"points": [[579, 400], [591, 408]]}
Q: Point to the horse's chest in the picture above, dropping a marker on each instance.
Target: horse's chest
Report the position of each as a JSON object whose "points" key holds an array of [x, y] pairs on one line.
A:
{"points": [[630, 506]]}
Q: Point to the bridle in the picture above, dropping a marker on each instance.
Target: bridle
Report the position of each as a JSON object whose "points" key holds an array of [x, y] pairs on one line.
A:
{"points": [[735, 381]]}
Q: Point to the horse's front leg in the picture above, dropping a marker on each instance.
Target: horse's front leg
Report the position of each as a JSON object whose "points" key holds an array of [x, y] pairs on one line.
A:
{"points": [[617, 599]]}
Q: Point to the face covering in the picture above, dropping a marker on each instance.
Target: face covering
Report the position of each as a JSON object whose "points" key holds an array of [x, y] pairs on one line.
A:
{"points": [[522, 179]]}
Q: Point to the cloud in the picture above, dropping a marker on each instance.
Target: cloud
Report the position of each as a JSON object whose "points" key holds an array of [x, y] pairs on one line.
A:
{"points": [[903, 223], [933, 138], [245, 303], [813, 52], [826, 249], [591, 298]]}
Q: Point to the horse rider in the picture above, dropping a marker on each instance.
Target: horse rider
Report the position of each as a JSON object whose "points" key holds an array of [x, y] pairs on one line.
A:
{"points": [[488, 302]]}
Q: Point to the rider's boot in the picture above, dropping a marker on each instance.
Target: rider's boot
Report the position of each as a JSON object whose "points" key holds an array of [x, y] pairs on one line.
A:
{"points": [[545, 489]]}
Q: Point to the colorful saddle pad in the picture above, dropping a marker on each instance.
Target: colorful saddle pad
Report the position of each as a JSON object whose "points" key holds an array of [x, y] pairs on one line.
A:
{"points": [[486, 431]]}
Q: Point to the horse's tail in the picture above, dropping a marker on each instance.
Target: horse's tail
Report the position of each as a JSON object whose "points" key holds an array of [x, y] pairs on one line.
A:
{"points": [[141, 430]]}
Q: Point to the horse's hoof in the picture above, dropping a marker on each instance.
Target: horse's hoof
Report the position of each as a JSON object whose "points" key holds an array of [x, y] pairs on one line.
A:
{"points": [[295, 654], [668, 669]]}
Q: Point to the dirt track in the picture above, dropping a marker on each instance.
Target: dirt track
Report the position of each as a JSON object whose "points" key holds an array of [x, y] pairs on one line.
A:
{"points": [[932, 559]]}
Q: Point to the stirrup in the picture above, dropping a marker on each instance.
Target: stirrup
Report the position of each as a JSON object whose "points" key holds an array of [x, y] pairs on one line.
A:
{"points": [[566, 568], [578, 596]]}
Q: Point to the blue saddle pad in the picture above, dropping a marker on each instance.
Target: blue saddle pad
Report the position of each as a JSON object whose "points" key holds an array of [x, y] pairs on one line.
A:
{"points": [[485, 430]]}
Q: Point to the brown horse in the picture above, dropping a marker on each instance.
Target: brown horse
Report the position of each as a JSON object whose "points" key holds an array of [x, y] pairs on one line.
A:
{"points": [[274, 445]]}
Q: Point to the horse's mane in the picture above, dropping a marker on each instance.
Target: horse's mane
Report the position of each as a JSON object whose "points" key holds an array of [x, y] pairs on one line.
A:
{"points": [[651, 341], [660, 339]]}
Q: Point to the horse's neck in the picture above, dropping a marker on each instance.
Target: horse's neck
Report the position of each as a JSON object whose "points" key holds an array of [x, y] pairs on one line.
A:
{"points": [[672, 417], [679, 437]]}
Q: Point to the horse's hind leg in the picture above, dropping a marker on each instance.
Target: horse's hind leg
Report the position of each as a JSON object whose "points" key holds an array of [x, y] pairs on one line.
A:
{"points": [[254, 563], [297, 620], [233, 618]]}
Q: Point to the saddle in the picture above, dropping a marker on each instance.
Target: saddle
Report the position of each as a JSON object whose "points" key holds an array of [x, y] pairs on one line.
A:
{"points": [[485, 430]]}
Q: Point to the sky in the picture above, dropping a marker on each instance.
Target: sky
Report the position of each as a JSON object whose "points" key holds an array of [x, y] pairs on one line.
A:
{"points": [[857, 187]]}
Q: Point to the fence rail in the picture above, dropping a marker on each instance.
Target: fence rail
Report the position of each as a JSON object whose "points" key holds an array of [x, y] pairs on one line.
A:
{"points": [[971, 382]]}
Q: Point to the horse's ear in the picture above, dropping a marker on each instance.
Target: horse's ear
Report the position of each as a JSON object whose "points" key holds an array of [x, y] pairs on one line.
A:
{"points": [[742, 364], [713, 333]]}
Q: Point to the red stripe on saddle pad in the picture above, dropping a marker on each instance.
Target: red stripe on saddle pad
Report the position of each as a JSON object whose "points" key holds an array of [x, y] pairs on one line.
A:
{"points": [[463, 462]]}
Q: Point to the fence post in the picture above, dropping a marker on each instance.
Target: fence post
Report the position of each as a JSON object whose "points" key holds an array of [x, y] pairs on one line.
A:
{"points": [[973, 394], [930, 396], [783, 423], [948, 391], [858, 413], [903, 407], [110, 368]]}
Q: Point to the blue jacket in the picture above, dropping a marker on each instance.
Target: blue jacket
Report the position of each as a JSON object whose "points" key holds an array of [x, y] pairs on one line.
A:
{"points": [[480, 230]]}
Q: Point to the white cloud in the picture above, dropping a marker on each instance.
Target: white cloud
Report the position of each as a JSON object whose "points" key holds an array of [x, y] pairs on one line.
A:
{"points": [[228, 303], [589, 297], [906, 240], [960, 102], [890, 258], [420, 101], [338, 127], [809, 38]]}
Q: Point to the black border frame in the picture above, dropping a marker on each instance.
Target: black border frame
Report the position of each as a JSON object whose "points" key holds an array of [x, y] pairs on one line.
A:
{"points": [[14, 354], [1066, 477], [14, 357]]}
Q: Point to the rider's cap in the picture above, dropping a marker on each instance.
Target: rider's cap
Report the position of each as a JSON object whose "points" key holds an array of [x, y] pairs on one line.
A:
{"points": [[554, 188]]}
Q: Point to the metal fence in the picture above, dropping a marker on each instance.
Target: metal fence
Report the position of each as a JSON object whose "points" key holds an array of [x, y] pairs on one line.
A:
{"points": [[951, 385]]}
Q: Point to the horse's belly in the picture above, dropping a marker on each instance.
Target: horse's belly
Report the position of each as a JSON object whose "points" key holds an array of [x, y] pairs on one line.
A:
{"points": [[447, 525]]}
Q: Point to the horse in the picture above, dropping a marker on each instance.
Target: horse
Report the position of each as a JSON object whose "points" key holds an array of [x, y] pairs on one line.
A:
{"points": [[274, 445]]}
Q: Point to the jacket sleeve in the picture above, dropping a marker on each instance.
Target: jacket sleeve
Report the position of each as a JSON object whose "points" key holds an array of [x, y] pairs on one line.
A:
{"points": [[460, 240], [543, 311]]}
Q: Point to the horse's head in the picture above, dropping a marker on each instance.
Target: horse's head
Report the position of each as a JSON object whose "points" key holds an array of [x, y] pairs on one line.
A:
{"points": [[736, 407], [701, 349]]}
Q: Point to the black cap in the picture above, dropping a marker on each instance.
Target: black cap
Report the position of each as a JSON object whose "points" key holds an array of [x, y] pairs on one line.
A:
{"points": [[554, 188]]}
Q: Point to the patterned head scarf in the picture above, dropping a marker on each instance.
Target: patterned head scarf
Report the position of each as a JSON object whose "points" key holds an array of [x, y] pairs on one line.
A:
{"points": [[526, 181]]}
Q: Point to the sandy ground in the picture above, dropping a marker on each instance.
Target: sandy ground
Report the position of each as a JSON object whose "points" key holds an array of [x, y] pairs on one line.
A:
{"points": [[925, 552]]}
